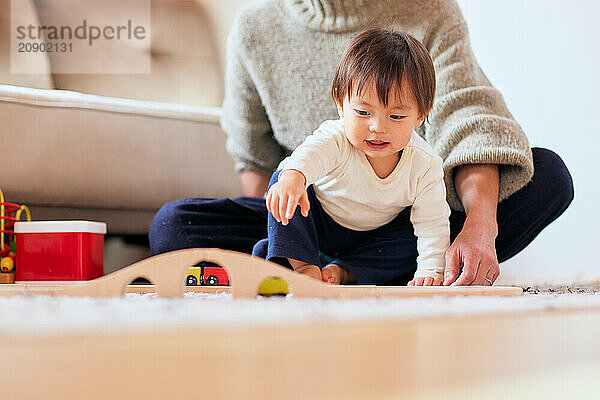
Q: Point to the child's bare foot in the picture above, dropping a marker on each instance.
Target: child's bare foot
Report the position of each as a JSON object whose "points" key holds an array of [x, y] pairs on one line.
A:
{"points": [[303, 268], [337, 275]]}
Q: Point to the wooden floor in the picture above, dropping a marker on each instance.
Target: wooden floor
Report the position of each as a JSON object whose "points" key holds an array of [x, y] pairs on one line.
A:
{"points": [[552, 354]]}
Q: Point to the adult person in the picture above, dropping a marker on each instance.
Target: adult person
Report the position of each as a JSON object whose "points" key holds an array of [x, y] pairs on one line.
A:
{"points": [[281, 56]]}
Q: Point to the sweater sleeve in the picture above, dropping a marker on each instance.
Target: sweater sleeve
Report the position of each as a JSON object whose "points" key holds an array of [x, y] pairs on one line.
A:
{"points": [[429, 216], [470, 123], [250, 140]]}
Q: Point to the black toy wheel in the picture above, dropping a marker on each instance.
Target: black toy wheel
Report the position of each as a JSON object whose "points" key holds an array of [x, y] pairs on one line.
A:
{"points": [[191, 280], [212, 280]]}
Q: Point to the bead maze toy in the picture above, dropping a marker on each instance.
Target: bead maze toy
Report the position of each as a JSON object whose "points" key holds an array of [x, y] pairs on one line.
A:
{"points": [[7, 237], [168, 273]]}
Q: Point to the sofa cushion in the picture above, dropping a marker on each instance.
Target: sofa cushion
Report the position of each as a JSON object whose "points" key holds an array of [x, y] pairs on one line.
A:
{"points": [[61, 148], [185, 66], [23, 13]]}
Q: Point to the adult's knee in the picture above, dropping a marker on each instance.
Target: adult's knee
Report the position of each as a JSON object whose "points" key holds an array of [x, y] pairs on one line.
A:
{"points": [[551, 171], [164, 234], [522, 216]]}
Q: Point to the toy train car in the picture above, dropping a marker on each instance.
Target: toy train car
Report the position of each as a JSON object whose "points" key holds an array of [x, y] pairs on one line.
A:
{"points": [[211, 274], [207, 273]]}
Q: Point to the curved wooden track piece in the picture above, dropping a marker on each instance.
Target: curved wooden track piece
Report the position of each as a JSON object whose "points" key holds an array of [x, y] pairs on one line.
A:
{"points": [[168, 271]]}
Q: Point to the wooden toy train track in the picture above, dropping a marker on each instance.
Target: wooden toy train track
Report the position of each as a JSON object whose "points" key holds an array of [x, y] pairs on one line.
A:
{"points": [[167, 273]]}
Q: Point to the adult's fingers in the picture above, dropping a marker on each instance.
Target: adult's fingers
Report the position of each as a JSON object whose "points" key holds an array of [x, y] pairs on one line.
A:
{"points": [[492, 274], [482, 272], [469, 272], [452, 266], [428, 281], [496, 275], [488, 269]]}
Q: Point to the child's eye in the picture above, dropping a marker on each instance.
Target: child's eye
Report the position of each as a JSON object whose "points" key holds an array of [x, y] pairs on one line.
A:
{"points": [[361, 112], [397, 117]]}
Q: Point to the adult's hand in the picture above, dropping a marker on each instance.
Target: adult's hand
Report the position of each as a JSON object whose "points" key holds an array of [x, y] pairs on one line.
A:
{"points": [[474, 250], [254, 184], [474, 247]]}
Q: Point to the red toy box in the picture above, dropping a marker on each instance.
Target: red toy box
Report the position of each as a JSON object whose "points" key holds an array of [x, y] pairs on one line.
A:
{"points": [[59, 250]]}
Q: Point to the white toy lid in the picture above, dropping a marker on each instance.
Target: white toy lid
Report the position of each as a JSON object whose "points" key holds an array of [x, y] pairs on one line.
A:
{"points": [[60, 227]]}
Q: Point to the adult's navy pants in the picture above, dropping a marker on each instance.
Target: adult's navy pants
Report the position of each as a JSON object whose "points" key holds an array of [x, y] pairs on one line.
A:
{"points": [[238, 224]]}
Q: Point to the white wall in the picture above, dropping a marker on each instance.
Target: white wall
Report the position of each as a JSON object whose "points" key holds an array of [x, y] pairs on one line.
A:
{"points": [[543, 55]]}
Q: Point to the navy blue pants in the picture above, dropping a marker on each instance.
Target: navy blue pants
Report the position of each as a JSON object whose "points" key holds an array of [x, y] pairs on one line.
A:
{"points": [[238, 224], [374, 257]]}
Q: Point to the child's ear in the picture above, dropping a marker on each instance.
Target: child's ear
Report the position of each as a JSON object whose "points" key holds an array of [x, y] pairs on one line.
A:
{"points": [[420, 121]]}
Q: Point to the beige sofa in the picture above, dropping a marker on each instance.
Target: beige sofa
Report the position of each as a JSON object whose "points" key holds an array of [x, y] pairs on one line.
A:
{"points": [[115, 147]]}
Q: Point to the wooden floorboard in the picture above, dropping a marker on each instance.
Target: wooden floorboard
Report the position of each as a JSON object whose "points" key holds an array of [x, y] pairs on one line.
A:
{"points": [[522, 355]]}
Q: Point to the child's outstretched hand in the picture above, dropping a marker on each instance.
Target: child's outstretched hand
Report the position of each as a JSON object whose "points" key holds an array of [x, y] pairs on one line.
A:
{"points": [[425, 281], [285, 195]]}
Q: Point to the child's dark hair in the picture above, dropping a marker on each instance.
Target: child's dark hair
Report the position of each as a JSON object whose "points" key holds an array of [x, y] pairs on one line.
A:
{"points": [[384, 56]]}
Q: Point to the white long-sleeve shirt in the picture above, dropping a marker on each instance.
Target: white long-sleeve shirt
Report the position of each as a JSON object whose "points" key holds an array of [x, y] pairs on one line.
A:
{"points": [[353, 195]]}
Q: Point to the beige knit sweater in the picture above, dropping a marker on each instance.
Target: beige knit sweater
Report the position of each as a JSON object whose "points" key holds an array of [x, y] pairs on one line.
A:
{"points": [[281, 57]]}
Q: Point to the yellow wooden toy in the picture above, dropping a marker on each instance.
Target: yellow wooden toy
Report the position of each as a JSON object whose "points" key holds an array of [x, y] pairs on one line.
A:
{"points": [[7, 264], [273, 286]]}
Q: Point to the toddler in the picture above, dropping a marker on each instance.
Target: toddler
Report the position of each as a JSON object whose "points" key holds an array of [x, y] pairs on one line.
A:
{"points": [[366, 184]]}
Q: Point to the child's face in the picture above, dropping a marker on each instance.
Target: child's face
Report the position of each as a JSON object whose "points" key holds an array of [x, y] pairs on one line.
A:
{"points": [[380, 132]]}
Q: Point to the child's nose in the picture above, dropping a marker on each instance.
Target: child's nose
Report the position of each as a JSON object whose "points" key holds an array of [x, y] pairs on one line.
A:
{"points": [[377, 126]]}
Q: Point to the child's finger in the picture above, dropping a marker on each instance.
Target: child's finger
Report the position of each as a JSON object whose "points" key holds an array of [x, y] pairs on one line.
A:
{"points": [[428, 281], [275, 207], [419, 281], [437, 281], [268, 201], [283, 202], [291, 207], [304, 204], [411, 283]]}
